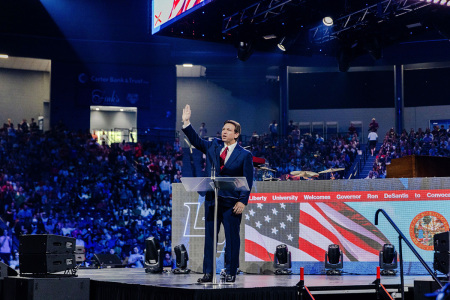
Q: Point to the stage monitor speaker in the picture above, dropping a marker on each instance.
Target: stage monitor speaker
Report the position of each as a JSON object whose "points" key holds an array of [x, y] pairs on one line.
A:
{"points": [[441, 242], [45, 243], [46, 263], [441, 262], [107, 260], [6, 271]]}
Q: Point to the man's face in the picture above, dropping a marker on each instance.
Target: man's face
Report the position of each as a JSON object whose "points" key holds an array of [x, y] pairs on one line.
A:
{"points": [[228, 134]]}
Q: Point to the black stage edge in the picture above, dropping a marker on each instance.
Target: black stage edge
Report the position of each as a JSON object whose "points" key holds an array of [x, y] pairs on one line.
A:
{"points": [[124, 284]]}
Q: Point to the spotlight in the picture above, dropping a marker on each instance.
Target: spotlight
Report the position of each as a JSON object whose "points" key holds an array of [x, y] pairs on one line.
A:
{"points": [[442, 252], [443, 2], [181, 260], [281, 44], [245, 50], [282, 260], [153, 256], [388, 260], [327, 21], [334, 260]]}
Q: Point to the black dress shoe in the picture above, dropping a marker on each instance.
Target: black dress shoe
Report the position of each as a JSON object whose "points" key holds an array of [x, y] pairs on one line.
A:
{"points": [[230, 278], [206, 278]]}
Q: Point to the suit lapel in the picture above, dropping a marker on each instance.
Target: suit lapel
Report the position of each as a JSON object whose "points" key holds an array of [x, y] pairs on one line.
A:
{"points": [[236, 152]]}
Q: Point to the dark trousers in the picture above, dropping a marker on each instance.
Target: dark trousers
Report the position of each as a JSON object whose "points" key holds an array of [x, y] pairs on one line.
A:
{"points": [[231, 224]]}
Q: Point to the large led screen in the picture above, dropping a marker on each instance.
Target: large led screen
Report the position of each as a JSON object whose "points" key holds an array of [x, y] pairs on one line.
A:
{"points": [[165, 12], [309, 216]]}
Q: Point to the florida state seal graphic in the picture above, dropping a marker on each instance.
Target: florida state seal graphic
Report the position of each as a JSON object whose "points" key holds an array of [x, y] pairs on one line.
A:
{"points": [[424, 226]]}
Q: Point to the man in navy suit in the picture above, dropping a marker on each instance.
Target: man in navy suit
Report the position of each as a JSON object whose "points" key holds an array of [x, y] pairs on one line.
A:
{"points": [[229, 160]]}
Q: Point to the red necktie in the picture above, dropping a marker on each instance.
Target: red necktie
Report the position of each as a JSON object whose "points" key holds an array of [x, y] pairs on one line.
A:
{"points": [[223, 155]]}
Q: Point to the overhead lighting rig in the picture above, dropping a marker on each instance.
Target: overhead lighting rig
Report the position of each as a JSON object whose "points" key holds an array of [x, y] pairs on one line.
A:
{"points": [[258, 12], [380, 12]]}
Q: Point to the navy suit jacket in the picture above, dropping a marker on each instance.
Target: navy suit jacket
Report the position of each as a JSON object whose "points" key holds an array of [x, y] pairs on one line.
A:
{"points": [[239, 164]]}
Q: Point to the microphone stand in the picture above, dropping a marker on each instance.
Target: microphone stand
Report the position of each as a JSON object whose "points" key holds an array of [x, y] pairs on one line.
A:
{"points": [[216, 200]]}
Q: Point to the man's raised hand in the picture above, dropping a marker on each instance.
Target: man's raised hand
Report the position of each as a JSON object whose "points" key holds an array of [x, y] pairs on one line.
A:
{"points": [[186, 114]]}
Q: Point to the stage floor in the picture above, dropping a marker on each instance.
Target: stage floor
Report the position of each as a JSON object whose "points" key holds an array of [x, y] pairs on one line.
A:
{"points": [[189, 281]]}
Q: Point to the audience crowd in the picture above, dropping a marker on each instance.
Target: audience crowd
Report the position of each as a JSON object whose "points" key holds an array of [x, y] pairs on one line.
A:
{"points": [[110, 198], [307, 152], [434, 142]]}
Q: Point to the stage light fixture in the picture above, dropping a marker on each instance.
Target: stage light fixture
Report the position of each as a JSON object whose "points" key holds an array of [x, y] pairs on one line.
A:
{"points": [[282, 260], [334, 260], [441, 261], [281, 45], [182, 258], [327, 21], [443, 2], [388, 260], [245, 50], [153, 256], [4, 56]]}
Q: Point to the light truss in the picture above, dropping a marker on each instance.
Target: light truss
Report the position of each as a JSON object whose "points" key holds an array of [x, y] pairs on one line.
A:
{"points": [[258, 13], [380, 12]]}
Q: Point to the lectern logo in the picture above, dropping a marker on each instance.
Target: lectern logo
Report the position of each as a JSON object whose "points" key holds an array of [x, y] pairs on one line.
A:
{"points": [[424, 226]]}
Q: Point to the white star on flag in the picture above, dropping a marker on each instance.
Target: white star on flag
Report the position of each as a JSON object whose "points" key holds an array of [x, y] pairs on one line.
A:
{"points": [[274, 211], [258, 224], [274, 230], [260, 205], [290, 237], [282, 225], [252, 212], [267, 219], [247, 217], [289, 218], [283, 206]]}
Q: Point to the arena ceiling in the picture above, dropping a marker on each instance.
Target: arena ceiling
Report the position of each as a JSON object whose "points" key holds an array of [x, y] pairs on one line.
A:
{"points": [[359, 27]]}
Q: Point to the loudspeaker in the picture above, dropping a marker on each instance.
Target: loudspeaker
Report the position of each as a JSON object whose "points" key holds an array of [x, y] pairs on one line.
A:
{"points": [[441, 241], [46, 243], [107, 260], [441, 262], [46, 263], [6, 270]]}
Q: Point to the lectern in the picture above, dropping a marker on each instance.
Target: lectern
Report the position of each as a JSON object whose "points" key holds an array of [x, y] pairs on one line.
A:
{"points": [[213, 183]]}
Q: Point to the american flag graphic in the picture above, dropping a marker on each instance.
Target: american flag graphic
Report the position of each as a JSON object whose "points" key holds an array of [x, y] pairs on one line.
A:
{"points": [[308, 229]]}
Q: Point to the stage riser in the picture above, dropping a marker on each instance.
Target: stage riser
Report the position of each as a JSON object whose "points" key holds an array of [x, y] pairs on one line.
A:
{"points": [[15, 288]]}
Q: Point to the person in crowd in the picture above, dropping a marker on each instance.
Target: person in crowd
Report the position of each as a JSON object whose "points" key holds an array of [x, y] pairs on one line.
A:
{"points": [[5, 246], [373, 137], [202, 131], [168, 261], [228, 159], [351, 129], [136, 258], [273, 130], [373, 125]]}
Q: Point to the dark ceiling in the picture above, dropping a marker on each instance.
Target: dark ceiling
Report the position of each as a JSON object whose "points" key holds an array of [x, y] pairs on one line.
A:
{"points": [[360, 27]]}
